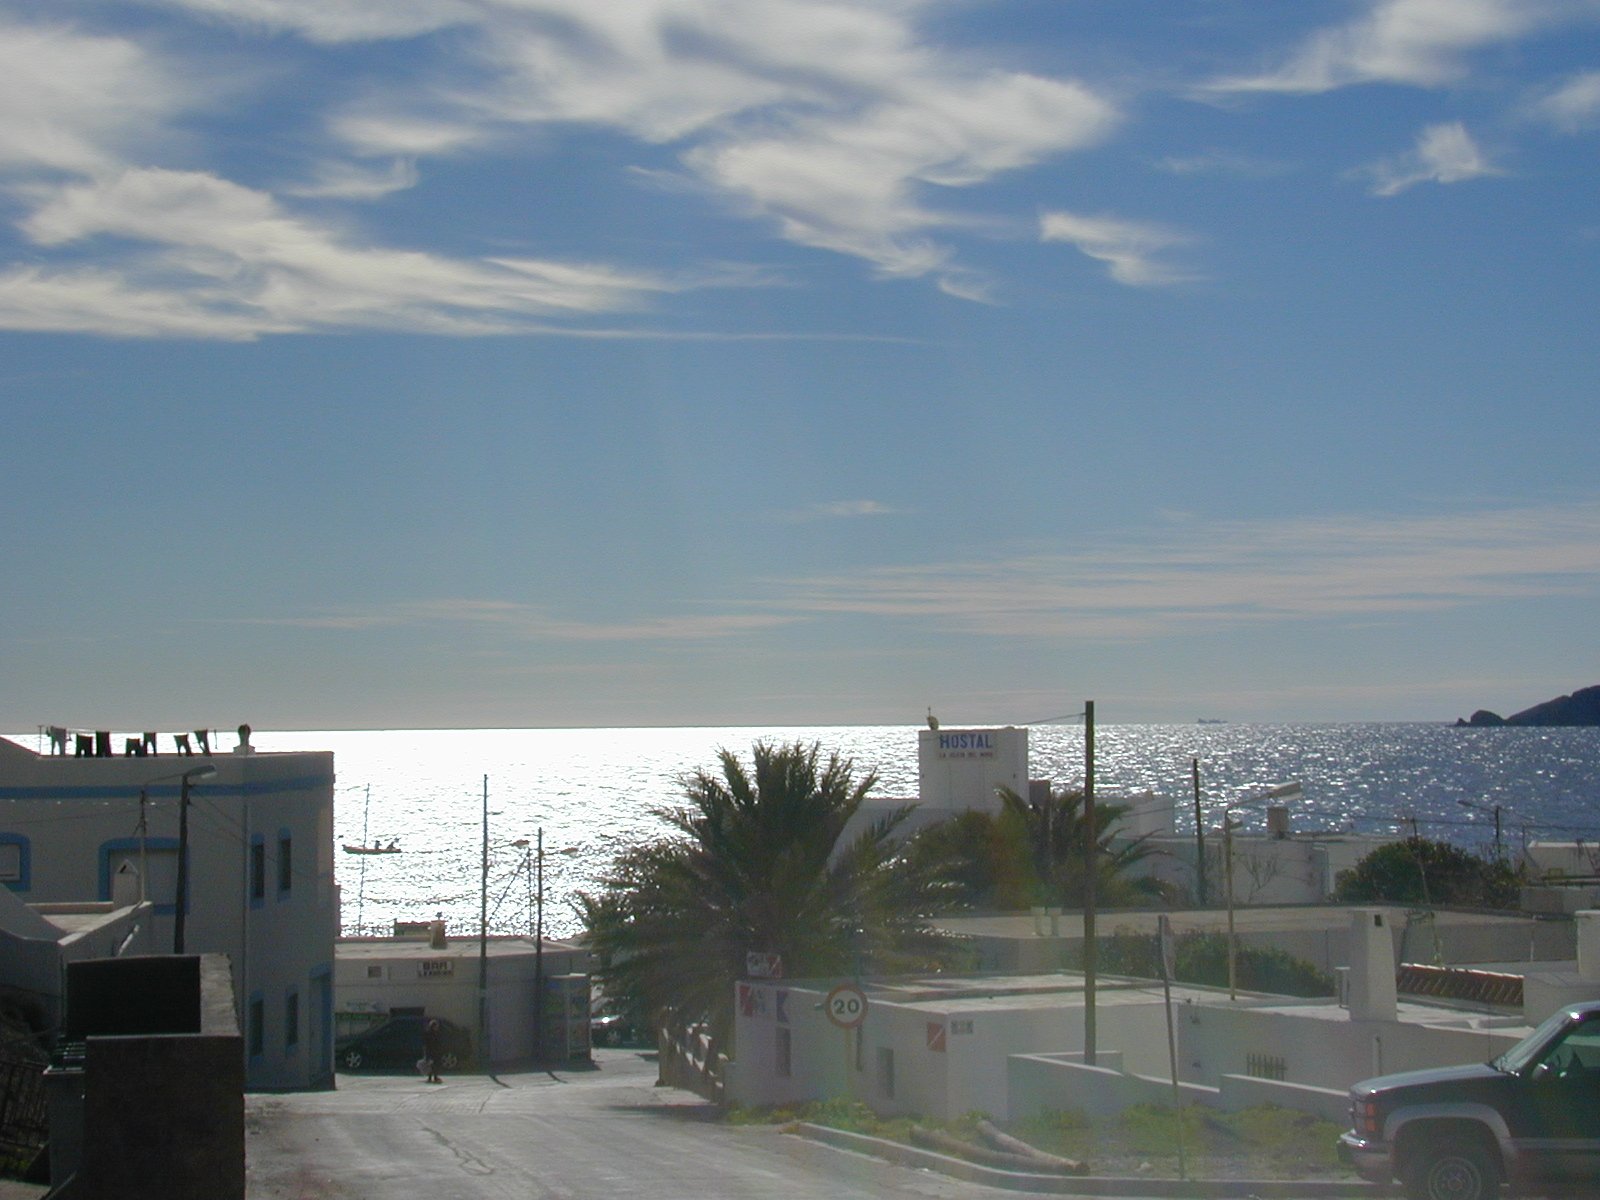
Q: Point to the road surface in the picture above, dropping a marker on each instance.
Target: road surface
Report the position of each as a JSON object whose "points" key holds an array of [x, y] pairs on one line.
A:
{"points": [[590, 1134]]}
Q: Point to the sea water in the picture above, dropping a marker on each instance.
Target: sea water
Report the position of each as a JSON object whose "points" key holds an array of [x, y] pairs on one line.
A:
{"points": [[595, 792]]}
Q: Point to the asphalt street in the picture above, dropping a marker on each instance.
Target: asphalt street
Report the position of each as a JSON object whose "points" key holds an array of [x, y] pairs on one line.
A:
{"points": [[606, 1132]]}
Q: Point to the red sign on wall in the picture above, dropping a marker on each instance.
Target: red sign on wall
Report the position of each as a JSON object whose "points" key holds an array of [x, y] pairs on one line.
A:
{"points": [[936, 1036]]}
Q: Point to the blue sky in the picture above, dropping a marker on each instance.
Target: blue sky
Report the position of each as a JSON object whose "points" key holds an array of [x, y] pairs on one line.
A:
{"points": [[544, 362]]}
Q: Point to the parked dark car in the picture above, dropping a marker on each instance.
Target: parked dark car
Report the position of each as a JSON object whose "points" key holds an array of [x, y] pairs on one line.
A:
{"points": [[396, 1044], [1457, 1133]]}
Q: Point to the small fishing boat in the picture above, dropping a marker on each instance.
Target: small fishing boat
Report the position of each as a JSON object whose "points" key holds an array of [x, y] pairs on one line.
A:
{"points": [[391, 848]]}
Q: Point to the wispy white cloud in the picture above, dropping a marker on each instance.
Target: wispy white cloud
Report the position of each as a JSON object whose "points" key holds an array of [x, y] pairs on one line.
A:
{"points": [[1130, 249], [356, 181], [76, 102], [830, 119], [1423, 43], [1572, 106], [834, 122], [1444, 154], [835, 510], [1196, 577], [1186, 577], [857, 181], [206, 255], [527, 622], [370, 131], [346, 21], [1221, 162]]}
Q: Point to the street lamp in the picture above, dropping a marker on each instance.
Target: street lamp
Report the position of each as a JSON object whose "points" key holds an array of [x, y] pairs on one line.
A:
{"points": [[1281, 792], [186, 779], [1499, 854]]}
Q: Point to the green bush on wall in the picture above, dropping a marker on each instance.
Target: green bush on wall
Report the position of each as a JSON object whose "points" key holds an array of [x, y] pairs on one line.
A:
{"points": [[1202, 958]]}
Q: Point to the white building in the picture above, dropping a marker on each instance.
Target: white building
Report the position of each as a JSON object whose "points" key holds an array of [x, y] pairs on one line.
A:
{"points": [[376, 978], [38, 941], [957, 770], [1013, 1045], [260, 885]]}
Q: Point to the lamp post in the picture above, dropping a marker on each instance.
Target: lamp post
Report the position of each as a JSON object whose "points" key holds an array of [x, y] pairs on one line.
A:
{"points": [[1090, 950], [538, 957], [1499, 853], [179, 917], [1281, 792], [483, 938]]}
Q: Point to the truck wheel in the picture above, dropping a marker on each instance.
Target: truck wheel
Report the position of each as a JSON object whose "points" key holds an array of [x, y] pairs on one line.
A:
{"points": [[1454, 1168]]}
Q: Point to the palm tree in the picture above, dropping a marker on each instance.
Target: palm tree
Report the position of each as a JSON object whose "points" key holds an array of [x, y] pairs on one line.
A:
{"points": [[1057, 831], [756, 863], [1032, 852]]}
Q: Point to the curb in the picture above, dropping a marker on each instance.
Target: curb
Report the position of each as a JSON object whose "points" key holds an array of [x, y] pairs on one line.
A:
{"points": [[1087, 1185]]}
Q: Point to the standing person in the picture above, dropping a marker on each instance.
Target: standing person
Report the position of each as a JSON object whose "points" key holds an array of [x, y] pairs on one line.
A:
{"points": [[432, 1049]]}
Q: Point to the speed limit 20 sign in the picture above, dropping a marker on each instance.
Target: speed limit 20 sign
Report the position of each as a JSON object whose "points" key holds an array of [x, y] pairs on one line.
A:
{"points": [[846, 1006]]}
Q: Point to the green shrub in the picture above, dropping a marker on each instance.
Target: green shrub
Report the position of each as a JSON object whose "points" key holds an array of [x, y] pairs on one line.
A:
{"points": [[1202, 958]]}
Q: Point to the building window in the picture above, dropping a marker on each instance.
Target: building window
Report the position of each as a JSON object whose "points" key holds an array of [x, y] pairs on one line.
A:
{"points": [[886, 1072], [291, 1021], [256, 1027], [285, 863], [14, 861], [258, 870], [374, 972], [157, 860], [783, 1061]]}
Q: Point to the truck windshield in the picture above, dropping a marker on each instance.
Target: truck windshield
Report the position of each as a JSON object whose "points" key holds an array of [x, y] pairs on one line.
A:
{"points": [[1527, 1052]]}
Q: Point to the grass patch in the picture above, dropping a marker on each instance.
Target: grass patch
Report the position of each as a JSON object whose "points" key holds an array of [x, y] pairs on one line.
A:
{"points": [[1262, 1142], [1257, 1143]]}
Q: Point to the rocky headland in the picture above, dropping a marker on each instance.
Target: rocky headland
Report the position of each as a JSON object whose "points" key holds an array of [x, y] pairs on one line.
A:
{"points": [[1580, 708]]}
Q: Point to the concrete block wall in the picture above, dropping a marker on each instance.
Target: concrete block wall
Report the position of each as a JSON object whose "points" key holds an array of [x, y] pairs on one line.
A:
{"points": [[1239, 1092], [1217, 1041], [163, 1118]]}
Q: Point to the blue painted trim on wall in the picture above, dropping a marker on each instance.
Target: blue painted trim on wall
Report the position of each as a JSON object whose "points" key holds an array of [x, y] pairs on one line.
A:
{"points": [[292, 1047], [257, 843], [324, 1051], [24, 881], [264, 787], [253, 1028], [107, 848], [285, 835]]}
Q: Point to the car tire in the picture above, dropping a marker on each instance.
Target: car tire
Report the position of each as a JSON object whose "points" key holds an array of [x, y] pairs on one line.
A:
{"points": [[352, 1059], [1453, 1168], [449, 1061]]}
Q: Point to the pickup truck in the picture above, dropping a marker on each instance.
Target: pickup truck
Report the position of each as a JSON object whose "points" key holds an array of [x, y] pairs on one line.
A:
{"points": [[1457, 1133]]}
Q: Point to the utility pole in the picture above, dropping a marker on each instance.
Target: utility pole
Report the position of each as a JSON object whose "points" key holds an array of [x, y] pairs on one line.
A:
{"points": [[538, 957], [1090, 951], [483, 938], [1227, 882], [178, 919], [1199, 836], [144, 830]]}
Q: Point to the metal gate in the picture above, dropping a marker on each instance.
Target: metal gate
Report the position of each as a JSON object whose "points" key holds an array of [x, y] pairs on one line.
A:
{"points": [[22, 1111]]}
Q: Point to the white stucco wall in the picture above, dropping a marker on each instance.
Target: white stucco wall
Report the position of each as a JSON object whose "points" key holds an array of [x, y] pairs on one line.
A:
{"points": [[76, 818], [380, 975], [948, 1055], [961, 768]]}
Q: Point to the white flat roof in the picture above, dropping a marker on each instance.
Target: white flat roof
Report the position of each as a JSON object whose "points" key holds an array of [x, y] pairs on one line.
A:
{"points": [[1310, 919], [406, 949]]}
